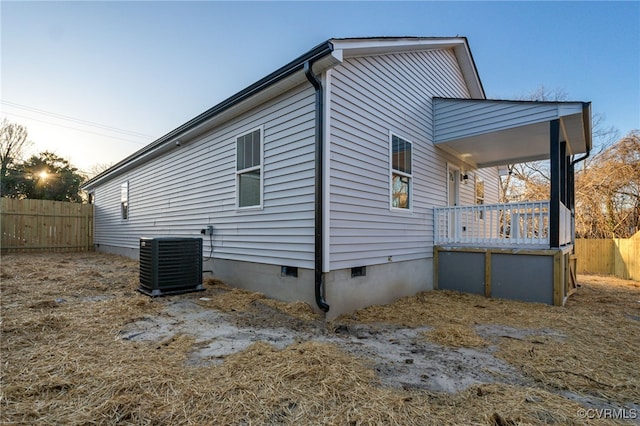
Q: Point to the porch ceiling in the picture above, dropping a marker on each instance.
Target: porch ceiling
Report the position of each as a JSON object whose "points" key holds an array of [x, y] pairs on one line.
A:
{"points": [[486, 133]]}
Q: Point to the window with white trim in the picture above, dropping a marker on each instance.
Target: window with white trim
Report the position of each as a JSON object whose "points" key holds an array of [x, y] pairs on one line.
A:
{"points": [[479, 190], [124, 200], [401, 173], [249, 169]]}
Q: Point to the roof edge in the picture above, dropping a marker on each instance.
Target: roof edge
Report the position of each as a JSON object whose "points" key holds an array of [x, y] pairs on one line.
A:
{"points": [[335, 46], [281, 73], [446, 98], [371, 46]]}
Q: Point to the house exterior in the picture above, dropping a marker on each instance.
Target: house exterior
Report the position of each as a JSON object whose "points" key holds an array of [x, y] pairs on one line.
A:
{"points": [[323, 181]]}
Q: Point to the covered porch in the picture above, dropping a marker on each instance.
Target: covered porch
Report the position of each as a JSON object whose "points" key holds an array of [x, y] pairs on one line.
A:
{"points": [[518, 250]]}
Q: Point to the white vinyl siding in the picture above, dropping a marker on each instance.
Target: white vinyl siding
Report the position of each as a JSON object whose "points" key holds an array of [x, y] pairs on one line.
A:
{"points": [[193, 185], [458, 119], [370, 96]]}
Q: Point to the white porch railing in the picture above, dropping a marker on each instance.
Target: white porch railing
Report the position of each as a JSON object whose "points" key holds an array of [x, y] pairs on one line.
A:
{"points": [[566, 228], [499, 224]]}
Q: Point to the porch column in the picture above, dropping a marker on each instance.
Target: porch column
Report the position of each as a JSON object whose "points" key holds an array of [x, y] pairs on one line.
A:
{"points": [[556, 182], [571, 190], [564, 193]]}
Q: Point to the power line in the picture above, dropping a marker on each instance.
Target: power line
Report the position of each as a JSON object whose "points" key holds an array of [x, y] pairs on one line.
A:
{"points": [[75, 128], [75, 120]]}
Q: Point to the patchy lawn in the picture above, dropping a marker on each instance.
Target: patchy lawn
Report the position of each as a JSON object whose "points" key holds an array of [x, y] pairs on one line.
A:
{"points": [[81, 346]]}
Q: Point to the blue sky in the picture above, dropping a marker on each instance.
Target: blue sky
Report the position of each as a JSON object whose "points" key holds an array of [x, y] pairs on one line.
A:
{"points": [[72, 72]]}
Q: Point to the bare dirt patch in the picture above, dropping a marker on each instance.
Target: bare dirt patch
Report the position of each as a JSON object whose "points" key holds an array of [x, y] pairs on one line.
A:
{"points": [[80, 345]]}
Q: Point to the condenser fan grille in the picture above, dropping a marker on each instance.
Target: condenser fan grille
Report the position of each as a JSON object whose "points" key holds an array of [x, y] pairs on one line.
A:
{"points": [[170, 265]]}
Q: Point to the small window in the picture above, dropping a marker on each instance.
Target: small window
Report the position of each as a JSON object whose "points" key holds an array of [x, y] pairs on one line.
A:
{"points": [[124, 200], [289, 271], [479, 194], [358, 271], [401, 173], [249, 169]]}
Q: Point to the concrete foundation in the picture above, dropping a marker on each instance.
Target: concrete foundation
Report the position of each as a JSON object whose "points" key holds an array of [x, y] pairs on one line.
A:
{"points": [[380, 285], [133, 253], [265, 279]]}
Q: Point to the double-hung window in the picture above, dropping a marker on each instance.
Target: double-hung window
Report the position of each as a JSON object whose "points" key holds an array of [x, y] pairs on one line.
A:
{"points": [[401, 173], [124, 200], [479, 190], [249, 169]]}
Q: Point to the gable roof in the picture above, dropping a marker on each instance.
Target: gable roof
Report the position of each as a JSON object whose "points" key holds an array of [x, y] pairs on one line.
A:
{"points": [[322, 57]]}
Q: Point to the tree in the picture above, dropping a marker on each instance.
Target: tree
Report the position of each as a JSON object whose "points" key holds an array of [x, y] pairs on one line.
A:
{"points": [[608, 191], [607, 198], [47, 176], [531, 181], [97, 168], [13, 144]]}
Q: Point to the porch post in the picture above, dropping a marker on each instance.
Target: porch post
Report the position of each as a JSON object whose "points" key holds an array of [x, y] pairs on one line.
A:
{"points": [[571, 189], [563, 174], [554, 205]]}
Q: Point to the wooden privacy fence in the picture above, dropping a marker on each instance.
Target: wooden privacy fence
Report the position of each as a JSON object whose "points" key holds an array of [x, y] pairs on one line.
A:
{"points": [[32, 225], [616, 256]]}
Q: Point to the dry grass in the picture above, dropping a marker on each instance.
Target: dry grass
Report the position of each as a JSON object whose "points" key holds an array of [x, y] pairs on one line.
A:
{"points": [[230, 299], [64, 363], [456, 336], [593, 350]]}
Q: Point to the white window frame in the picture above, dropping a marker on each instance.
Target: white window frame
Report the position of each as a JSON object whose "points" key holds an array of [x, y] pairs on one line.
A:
{"points": [[477, 181], [393, 171], [249, 169], [124, 201]]}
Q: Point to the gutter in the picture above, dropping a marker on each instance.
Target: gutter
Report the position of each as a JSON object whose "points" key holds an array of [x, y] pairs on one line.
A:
{"points": [[319, 190]]}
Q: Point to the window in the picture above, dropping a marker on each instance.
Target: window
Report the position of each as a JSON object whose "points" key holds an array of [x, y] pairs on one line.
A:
{"points": [[249, 169], [480, 194], [400, 173], [124, 200]]}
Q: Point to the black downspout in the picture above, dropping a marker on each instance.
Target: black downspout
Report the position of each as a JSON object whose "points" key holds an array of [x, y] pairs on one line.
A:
{"points": [[319, 187]]}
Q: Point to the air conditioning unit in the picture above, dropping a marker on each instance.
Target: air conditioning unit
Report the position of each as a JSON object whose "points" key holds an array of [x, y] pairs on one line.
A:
{"points": [[170, 265]]}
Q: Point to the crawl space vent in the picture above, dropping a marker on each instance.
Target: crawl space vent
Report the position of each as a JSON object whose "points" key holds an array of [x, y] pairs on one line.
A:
{"points": [[170, 265]]}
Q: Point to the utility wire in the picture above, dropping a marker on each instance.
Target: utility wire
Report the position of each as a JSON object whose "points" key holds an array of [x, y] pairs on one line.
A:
{"points": [[76, 129], [75, 120]]}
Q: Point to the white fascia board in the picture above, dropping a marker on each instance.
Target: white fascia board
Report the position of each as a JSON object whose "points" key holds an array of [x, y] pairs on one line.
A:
{"points": [[469, 71], [380, 46]]}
